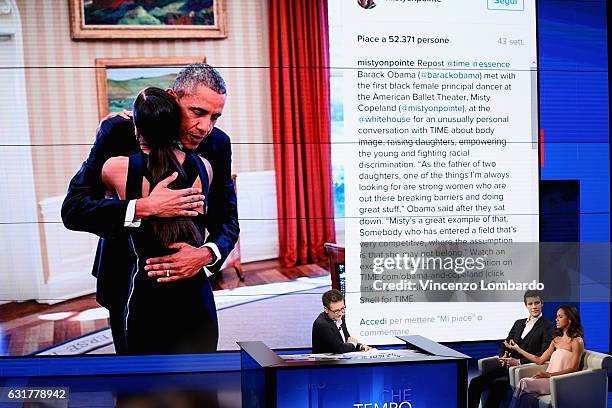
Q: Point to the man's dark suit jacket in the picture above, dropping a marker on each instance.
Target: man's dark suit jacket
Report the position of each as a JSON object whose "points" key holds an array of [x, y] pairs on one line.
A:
{"points": [[326, 337], [85, 209], [535, 342]]}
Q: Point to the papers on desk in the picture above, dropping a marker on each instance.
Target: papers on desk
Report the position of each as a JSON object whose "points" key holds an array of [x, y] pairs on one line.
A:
{"points": [[355, 355], [382, 354], [315, 357]]}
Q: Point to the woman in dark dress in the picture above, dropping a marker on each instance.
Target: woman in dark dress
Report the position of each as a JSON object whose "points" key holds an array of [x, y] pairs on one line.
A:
{"points": [[168, 317]]}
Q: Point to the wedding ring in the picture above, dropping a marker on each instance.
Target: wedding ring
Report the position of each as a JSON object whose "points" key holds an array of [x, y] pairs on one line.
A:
{"points": [[167, 273]]}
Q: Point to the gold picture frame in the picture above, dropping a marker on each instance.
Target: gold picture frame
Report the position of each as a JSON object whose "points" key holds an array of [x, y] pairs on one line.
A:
{"points": [[118, 80], [87, 22]]}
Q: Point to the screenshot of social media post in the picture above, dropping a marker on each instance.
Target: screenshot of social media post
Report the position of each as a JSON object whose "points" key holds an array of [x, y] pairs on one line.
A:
{"points": [[441, 123]]}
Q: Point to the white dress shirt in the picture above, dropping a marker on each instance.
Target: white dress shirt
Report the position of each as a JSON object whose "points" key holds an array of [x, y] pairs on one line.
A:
{"points": [[531, 321], [339, 325]]}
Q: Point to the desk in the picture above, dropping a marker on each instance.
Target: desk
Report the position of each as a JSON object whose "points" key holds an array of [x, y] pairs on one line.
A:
{"points": [[431, 376]]}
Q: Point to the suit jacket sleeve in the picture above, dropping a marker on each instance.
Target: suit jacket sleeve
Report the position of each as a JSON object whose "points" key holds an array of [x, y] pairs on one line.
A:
{"points": [[543, 337], [222, 212], [511, 336], [85, 208], [329, 340]]}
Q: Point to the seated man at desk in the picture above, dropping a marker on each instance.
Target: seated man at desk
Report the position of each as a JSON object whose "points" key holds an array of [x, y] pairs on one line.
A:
{"points": [[329, 332]]}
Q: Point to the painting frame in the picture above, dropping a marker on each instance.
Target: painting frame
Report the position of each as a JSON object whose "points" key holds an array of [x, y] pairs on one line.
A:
{"points": [[80, 31], [104, 64]]}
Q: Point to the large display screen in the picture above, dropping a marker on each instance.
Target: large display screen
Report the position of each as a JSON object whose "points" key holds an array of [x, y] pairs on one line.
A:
{"points": [[416, 155]]}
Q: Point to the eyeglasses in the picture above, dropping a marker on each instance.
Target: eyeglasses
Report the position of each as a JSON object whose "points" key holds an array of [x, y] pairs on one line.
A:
{"points": [[338, 311]]}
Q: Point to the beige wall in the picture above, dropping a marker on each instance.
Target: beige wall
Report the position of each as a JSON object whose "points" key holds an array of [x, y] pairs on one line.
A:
{"points": [[61, 86]]}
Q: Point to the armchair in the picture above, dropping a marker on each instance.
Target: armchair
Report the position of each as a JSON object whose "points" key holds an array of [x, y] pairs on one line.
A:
{"points": [[587, 387]]}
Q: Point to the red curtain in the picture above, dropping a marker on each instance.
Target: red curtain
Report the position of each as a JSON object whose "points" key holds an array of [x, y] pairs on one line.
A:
{"points": [[299, 74]]}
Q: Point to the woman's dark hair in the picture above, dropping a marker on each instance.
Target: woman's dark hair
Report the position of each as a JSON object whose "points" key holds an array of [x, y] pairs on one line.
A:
{"points": [[157, 117], [575, 328]]}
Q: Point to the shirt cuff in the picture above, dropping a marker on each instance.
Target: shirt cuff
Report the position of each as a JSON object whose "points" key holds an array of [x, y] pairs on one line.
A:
{"points": [[129, 215], [213, 247], [207, 272]]}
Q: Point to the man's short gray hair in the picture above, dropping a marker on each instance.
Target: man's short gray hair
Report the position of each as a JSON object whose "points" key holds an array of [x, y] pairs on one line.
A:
{"points": [[198, 74]]}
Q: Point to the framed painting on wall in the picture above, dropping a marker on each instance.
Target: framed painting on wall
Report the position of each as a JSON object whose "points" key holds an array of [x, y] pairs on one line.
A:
{"points": [[119, 80], [146, 19]]}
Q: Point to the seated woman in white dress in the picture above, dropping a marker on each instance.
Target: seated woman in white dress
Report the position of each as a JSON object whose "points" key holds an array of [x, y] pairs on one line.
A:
{"points": [[564, 352]]}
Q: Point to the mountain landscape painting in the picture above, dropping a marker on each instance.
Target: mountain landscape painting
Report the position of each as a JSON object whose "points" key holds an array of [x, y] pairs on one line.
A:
{"points": [[123, 84], [149, 12], [146, 19]]}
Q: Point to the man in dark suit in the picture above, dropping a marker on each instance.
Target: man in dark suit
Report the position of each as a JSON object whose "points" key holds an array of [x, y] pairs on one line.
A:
{"points": [[200, 92], [329, 332], [534, 334]]}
